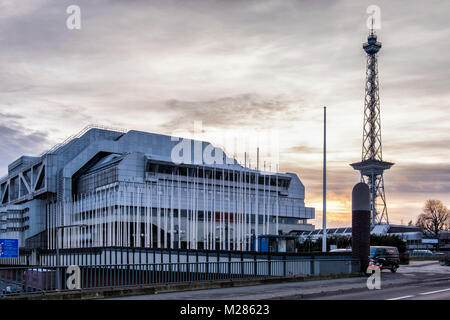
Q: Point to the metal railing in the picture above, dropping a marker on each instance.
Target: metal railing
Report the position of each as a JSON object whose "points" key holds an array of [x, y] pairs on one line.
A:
{"points": [[422, 256], [78, 135], [26, 280]]}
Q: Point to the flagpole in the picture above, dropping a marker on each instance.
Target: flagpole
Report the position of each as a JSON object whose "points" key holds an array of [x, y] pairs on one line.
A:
{"points": [[324, 219]]}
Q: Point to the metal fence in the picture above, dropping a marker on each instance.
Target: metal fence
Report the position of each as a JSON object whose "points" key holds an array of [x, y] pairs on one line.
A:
{"points": [[26, 280], [422, 256], [121, 255]]}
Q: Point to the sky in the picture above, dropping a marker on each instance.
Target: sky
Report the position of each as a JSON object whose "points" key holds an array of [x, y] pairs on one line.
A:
{"points": [[245, 69]]}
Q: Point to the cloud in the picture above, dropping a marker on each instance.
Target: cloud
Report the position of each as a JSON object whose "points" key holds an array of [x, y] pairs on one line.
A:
{"points": [[419, 178], [17, 141], [10, 9], [303, 149], [4, 116], [241, 110], [236, 66]]}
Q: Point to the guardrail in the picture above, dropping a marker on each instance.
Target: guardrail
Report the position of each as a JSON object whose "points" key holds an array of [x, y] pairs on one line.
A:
{"points": [[26, 280], [425, 256]]}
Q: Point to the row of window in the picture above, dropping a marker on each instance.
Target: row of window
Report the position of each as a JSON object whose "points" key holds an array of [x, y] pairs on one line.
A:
{"points": [[10, 229], [200, 215], [218, 174]]}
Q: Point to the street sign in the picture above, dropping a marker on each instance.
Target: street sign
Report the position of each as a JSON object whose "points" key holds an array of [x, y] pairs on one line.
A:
{"points": [[430, 241], [9, 248]]}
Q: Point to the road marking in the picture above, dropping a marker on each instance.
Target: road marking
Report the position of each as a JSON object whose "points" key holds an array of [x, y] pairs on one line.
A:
{"points": [[400, 298], [437, 291]]}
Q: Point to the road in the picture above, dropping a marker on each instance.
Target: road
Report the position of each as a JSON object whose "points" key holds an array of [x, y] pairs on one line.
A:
{"points": [[439, 290], [429, 281], [420, 280]]}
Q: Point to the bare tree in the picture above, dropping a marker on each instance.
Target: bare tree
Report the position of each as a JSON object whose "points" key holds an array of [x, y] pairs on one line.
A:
{"points": [[434, 218]]}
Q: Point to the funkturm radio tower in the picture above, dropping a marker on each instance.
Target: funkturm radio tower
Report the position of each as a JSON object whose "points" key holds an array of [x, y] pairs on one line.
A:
{"points": [[372, 165]]}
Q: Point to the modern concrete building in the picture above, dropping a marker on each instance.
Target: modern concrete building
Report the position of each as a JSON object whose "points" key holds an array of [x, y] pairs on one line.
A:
{"points": [[110, 188]]}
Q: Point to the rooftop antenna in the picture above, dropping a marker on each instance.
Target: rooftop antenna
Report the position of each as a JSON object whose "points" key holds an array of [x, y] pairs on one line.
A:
{"points": [[371, 27], [257, 158], [245, 159]]}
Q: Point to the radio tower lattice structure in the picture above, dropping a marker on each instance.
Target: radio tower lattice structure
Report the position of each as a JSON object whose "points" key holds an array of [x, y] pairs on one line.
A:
{"points": [[372, 165]]}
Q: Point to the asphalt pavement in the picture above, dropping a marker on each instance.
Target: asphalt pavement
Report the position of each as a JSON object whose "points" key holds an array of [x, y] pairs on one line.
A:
{"points": [[434, 290], [420, 280]]}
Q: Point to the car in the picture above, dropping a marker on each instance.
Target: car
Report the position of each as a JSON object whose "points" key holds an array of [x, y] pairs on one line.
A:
{"points": [[39, 279], [341, 250], [444, 258], [384, 257], [422, 253], [11, 289]]}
